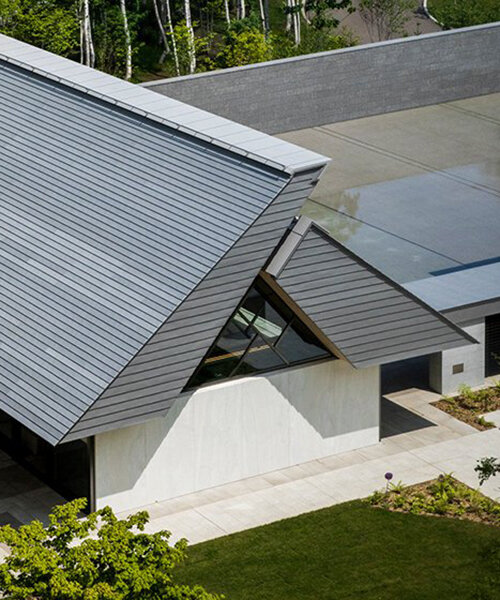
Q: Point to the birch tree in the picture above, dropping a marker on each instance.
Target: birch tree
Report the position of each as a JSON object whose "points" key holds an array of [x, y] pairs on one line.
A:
{"points": [[241, 11], [163, 35], [226, 12], [87, 53], [262, 14], [172, 36], [190, 31], [128, 43]]}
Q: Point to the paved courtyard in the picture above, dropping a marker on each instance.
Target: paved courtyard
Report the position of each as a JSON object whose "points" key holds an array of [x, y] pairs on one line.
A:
{"points": [[419, 442]]}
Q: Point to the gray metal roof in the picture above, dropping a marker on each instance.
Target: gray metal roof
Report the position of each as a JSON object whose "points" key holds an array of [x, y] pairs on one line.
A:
{"points": [[367, 317], [177, 115], [109, 220], [459, 288]]}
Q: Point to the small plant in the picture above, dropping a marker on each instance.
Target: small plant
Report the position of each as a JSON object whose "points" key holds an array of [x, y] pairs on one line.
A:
{"points": [[470, 405], [444, 496], [487, 467]]}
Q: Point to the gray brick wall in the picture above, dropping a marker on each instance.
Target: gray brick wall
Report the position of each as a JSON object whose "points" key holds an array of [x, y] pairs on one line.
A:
{"points": [[312, 90]]}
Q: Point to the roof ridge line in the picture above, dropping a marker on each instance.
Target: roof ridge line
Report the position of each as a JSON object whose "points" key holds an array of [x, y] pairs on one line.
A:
{"points": [[231, 136]]}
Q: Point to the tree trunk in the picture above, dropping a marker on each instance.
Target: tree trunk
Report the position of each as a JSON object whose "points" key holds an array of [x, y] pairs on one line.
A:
{"points": [[172, 37], [128, 43], [189, 25], [242, 10], [162, 32], [262, 16], [296, 22], [226, 12], [289, 6], [87, 54]]}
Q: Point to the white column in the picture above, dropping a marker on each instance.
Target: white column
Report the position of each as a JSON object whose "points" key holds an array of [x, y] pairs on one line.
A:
{"points": [[465, 365]]}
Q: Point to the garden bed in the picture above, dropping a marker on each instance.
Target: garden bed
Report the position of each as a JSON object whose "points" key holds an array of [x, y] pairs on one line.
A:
{"points": [[469, 405], [445, 497]]}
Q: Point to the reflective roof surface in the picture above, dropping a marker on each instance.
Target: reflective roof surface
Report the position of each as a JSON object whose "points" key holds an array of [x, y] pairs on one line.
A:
{"points": [[414, 192]]}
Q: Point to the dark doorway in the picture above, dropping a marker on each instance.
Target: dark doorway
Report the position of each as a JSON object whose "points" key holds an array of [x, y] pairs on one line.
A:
{"points": [[492, 346], [66, 468], [405, 374]]}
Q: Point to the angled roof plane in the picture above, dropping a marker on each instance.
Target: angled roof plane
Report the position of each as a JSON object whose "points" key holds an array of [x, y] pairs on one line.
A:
{"points": [[367, 318], [116, 205], [132, 226]]}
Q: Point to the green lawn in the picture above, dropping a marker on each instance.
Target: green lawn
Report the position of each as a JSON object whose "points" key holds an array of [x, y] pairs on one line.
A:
{"points": [[348, 551]]}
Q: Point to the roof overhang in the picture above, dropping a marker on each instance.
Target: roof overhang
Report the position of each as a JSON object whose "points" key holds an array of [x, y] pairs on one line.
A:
{"points": [[368, 318]]}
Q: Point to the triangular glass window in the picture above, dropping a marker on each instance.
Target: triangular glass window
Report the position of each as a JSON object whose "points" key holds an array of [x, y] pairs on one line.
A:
{"points": [[263, 334]]}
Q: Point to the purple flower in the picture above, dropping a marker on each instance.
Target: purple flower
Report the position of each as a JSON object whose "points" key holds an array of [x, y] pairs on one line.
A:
{"points": [[388, 476]]}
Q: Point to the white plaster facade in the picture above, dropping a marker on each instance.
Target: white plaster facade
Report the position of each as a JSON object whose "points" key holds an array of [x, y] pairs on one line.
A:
{"points": [[441, 376], [237, 429]]}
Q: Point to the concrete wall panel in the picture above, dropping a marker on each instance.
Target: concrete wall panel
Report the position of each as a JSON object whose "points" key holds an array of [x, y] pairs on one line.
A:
{"points": [[307, 91], [238, 429]]}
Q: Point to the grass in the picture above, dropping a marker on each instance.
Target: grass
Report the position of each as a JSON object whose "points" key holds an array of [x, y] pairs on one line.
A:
{"points": [[469, 405], [349, 551]]}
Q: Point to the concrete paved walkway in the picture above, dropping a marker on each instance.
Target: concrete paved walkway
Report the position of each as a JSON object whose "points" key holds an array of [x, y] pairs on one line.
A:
{"points": [[420, 443]]}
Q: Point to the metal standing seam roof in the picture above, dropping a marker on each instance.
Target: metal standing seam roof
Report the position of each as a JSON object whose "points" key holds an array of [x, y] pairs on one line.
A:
{"points": [[368, 318], [109, 219], [201, 124]]}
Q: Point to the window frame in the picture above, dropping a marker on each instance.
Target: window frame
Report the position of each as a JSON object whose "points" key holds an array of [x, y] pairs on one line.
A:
{"points": [[270, 297]]}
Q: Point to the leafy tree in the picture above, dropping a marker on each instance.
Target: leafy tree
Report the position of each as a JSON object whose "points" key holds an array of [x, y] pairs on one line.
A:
{"points": [[244, 48], [322, 11], [49, 24], [98, 557], [385, 18], [464, 13]]}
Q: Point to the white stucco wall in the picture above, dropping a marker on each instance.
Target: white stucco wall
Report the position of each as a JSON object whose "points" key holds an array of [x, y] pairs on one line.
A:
{"points": [[441, 376], [237, 429]]}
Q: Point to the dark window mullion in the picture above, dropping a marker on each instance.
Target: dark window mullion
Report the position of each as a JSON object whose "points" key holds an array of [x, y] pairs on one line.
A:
{"points": [[244, 354]]}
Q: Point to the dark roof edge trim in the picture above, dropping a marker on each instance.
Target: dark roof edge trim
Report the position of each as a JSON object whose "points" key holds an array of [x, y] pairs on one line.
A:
{"points": [[310, 324]]}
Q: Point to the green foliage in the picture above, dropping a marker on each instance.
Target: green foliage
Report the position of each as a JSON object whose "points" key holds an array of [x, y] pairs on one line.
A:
{"points": [[49, 24], [470, 404], [322, 10], [464, 13], [446, 496], [487, 467], [244, 48], [98, 557], [109, 35], [313, 40], [386, 18], [201, 44]]}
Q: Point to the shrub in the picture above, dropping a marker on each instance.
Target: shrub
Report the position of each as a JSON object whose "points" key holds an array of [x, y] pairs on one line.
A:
{"points": [[99, 557]]}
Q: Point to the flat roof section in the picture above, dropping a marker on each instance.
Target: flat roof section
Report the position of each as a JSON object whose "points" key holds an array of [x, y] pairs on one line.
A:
{"points": [[414, 192]]}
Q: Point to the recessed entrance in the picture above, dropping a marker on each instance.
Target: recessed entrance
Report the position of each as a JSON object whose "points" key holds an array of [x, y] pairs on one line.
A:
{"points": [[66, 468], [492, 346]]}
